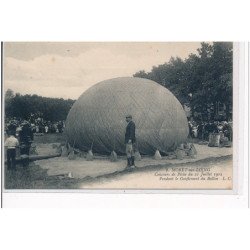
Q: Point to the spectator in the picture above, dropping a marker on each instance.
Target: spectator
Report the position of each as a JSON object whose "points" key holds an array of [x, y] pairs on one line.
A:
{"points": [[26, 138], [46, 129], [11, 144], [190, 129], [200, 130], [227, 130], [11, 128]]}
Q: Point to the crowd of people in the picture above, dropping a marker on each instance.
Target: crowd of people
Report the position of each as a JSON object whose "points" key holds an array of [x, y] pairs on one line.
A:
{"points": [[201, 130], [20, 134], [38, 125]]}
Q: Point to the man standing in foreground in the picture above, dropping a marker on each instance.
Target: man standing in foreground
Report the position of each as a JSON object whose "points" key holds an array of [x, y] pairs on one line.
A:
{"points": [[130, 142], [11, 144]]}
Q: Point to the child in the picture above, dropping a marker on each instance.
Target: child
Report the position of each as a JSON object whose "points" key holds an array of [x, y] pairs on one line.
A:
{"points": [[11, 143]]}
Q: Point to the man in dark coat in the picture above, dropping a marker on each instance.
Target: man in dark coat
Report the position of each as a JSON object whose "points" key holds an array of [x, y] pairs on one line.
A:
{"points": [[227, 130], [26, 138], [11, 129], [130, 142]]}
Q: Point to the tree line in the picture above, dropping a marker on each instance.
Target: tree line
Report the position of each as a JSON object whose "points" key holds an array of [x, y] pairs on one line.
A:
{"points": [[203, 80], [22, 106]]}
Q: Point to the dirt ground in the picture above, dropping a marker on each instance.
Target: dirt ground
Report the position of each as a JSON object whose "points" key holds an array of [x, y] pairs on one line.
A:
{"points": [[216, 172], [81, 168]]}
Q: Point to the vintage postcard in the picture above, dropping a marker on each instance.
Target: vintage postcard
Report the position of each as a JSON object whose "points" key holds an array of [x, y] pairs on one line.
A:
{"points": [[118, 115]]}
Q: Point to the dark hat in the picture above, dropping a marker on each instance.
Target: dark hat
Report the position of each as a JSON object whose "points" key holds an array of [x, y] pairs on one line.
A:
{"points": [[129, 116]]}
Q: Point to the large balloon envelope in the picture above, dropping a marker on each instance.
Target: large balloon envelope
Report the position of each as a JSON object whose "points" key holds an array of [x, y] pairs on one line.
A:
{"points": [[97, 118]]}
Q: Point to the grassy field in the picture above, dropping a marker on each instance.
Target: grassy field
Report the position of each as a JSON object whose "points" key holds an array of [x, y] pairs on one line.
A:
{"points": [[34, 177], [50, 138]]}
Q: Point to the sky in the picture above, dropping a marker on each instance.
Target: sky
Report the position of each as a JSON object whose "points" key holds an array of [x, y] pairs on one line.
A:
{"points": [[67, 69]]}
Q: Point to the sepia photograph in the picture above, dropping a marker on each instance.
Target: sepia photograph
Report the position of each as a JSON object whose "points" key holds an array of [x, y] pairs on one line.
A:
{"points": [[117, 115], [124, 119]]}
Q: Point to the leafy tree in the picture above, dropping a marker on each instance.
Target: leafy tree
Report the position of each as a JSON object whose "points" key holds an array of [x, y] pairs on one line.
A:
{"points": [[22, 106], [203, 79], [211, 78], [9, 95]]}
